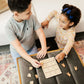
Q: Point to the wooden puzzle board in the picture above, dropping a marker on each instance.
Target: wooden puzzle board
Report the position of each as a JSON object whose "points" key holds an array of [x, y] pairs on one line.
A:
{"points": [[50, 67]]}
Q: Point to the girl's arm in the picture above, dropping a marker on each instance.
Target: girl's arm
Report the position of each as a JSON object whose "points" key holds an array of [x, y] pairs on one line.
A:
{"points": [[50, 16], [67, 48], [69, 44]]}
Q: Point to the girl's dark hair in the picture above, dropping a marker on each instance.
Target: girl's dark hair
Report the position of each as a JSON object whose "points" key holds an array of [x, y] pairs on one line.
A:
{"points": [[18, 5], [72, 12]]}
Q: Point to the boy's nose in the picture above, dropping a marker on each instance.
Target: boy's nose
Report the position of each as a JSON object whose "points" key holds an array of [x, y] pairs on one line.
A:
{"points": [[30, 13]]}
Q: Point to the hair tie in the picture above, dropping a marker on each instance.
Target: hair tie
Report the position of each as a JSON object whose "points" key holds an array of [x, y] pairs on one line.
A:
{"points": [[65, 9], [70, 17], [68, 12]]}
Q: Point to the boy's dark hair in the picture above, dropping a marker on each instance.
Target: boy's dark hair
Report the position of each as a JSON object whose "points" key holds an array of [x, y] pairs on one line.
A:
{"points": [[18, 5], [72, 12]]}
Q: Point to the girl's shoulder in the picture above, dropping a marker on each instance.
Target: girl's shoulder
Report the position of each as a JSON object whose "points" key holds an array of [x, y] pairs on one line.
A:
{"points": [[71, 31]]}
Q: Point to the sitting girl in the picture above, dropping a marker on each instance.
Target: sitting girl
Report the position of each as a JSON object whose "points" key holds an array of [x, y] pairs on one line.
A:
{"points": [[65, 31]]}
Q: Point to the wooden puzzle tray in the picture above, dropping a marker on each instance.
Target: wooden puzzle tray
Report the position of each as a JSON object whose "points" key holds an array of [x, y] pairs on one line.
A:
{"points": [[71, 68]]}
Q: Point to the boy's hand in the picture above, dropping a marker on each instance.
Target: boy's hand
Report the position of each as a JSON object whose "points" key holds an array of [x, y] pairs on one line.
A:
{"points": [[60, 57], [41, 53], [35, 63], [45, 23]]}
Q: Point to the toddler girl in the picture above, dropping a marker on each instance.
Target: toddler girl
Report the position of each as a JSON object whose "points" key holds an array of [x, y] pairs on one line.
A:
{"points": [[65, 31]]}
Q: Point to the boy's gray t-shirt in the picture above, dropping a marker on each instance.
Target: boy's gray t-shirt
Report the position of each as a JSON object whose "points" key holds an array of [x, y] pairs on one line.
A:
{"points": [[23, 31]]}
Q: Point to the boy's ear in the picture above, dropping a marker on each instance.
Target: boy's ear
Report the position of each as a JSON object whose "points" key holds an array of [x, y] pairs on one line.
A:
{"points": [[15, 13], [71, 24]]}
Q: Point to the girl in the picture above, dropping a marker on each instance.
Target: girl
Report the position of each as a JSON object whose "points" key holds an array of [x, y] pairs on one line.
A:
{"points": [[65, 31]]}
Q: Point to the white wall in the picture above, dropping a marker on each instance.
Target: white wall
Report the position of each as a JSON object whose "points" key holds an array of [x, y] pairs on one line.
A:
{"points": [[42, 8], [3, 20]]}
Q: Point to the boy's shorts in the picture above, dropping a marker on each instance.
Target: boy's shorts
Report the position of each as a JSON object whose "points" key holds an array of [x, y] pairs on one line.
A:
{"points": [[33, 50]]}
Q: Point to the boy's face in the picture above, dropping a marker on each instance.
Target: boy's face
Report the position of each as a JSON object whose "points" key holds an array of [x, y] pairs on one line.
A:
{"points": [[64, 22], [24, 15]]}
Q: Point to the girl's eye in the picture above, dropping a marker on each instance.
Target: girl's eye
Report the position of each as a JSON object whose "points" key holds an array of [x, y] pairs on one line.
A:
{"points": [[63, 22], [59, 19]]}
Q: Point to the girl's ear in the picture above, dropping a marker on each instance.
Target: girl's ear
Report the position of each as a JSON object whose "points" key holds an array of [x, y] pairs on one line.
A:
{"points": [[71, 23]]}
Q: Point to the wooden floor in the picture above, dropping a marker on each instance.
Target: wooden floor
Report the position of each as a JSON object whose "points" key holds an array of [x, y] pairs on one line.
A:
{"points": [[3, 6]]}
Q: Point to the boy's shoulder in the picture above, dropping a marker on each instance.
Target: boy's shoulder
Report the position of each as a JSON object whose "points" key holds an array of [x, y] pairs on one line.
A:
{"points": [[32, 17], [10, 21]]}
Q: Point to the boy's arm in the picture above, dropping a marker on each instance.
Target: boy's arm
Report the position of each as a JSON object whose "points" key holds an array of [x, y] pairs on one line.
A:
{"points": [[20, 50], [42, 39], [24, 54]]}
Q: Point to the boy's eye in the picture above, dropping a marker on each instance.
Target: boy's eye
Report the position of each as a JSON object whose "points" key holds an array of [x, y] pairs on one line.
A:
{"points": [[28, 12]]}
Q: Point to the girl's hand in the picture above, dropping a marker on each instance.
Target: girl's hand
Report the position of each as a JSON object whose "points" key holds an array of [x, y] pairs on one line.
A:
{"points": [[35, 63], [41, 53], [45, 23], [60, 57]]}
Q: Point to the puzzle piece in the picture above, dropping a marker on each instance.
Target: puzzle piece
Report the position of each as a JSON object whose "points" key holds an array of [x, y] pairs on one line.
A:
{"points": [[41, 63], [68, 74], [28, 75], [63, 65], [30, 68], [36, 76], [31, 82], [75, 67]]}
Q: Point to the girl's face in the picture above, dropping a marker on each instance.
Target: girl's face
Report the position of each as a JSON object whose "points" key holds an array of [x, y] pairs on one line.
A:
{"points": [[64, 22]]}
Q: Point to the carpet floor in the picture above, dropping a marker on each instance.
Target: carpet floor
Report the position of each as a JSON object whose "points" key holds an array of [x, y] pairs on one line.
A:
{"points": [[8, 72]]}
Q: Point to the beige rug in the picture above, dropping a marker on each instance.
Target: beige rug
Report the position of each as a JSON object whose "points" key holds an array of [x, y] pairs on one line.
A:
{"points": [[79, 46], [8, 72]]}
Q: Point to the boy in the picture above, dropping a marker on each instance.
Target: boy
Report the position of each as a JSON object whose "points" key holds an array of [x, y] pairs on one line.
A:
{"points": [[20, 31]]}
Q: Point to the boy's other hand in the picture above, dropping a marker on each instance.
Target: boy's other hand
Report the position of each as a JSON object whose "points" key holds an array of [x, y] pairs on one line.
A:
{"points": [[60, 57], [41, 53], [45, 23], [35, 63]]}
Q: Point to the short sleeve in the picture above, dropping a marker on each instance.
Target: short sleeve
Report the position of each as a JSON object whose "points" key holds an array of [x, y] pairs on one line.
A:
{"points": [[10, 32], [36, 24]]}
